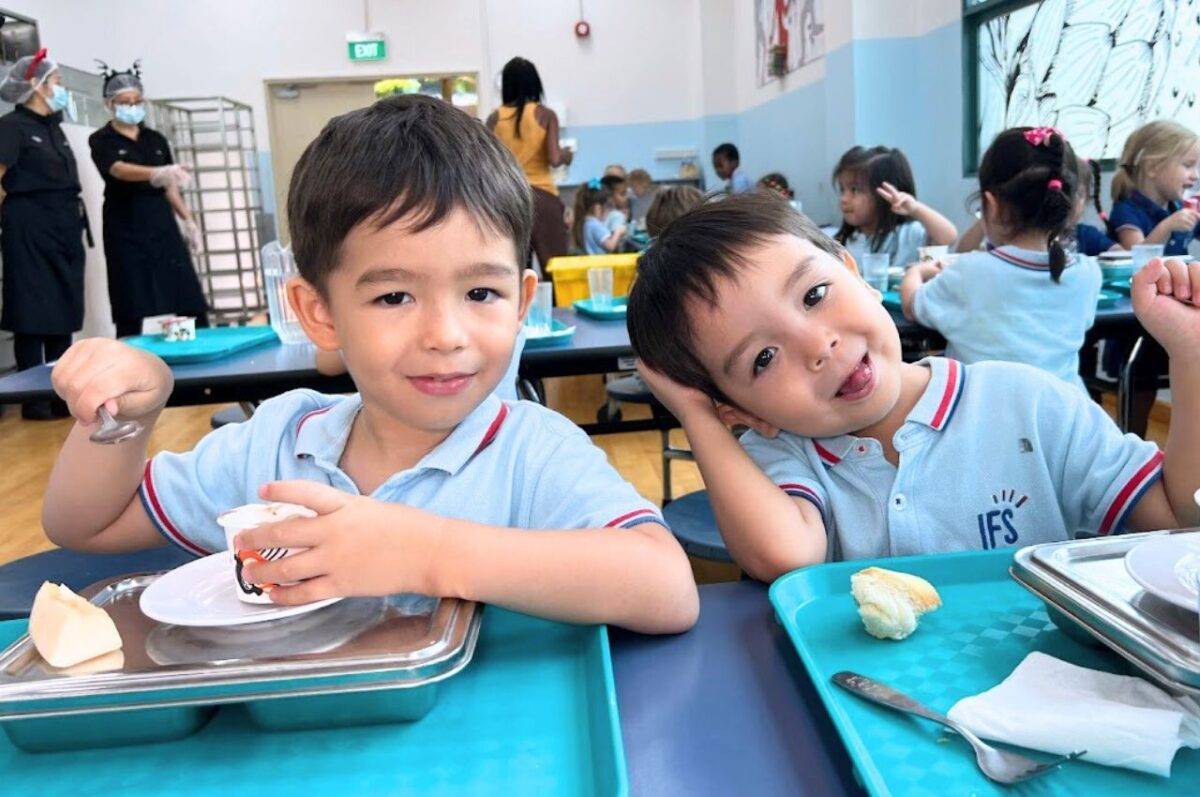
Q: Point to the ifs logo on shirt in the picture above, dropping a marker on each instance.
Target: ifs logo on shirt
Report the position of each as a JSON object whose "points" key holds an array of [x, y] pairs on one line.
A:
{"points": [[1000, 520]]}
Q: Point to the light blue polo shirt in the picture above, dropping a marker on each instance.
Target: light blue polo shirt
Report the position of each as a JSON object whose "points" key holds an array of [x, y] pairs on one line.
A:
{"points": [[514, 464], [900, 244], [1002, 305], [993, 455]]}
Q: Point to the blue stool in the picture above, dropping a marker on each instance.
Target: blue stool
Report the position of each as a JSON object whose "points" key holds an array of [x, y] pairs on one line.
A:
{"points": [[632, 390], [691, 520], [20, 580]]}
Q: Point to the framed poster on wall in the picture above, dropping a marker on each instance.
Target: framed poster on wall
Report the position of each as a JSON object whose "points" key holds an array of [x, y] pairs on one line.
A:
{"points": [[788, 35]]}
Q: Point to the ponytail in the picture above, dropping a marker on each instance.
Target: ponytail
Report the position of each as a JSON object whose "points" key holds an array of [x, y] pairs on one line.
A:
{"points": [[1058, 257]]}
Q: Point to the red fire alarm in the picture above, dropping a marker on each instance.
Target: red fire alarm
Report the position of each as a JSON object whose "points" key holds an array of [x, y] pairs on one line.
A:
{"points": [[583, 29]]}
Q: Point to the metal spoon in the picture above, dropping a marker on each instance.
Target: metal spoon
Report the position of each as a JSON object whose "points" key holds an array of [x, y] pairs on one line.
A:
{"points": [[113, 431]]}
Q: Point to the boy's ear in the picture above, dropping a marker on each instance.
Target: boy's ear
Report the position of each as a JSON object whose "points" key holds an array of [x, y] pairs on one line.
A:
{"points": [[733, 416], [313, 313], [529, 282], [849, 261]]}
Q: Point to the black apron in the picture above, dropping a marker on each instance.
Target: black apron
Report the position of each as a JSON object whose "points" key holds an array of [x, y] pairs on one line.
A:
{"points": [[150, 270], [41, 227]]}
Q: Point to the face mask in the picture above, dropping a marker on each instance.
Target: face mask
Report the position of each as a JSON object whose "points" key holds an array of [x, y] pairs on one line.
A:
{"points": [[58, 99], [130, 114]]}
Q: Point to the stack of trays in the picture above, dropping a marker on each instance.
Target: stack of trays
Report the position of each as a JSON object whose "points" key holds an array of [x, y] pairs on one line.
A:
{"points": [[360, 661], [1090, 595]]}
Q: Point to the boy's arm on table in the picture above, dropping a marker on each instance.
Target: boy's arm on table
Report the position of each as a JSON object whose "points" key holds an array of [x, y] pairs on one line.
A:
{"points": [[91, 502], [1166, 298], [767, 531], [637, 578]]}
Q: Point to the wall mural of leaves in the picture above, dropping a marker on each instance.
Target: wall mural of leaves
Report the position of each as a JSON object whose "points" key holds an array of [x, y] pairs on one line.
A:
{"points": [[1097, 69]]}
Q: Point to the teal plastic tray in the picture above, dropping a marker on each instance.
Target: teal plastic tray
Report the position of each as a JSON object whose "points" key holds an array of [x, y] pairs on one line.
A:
{"points": [[987, 624], [560, 333], [617, 312], [534, 713], [212, 343]]}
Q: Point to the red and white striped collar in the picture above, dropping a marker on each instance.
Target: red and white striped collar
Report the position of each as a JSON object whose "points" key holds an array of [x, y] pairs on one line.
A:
{"points": [[1025, 258], [942, 395]]}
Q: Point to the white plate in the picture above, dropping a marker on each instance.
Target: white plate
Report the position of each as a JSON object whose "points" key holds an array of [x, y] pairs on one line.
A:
{"points": [[201, 593], [1167, 567]]}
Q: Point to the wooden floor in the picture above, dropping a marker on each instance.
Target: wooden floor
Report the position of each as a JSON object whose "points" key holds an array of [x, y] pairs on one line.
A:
{"points": [[27, 451]]}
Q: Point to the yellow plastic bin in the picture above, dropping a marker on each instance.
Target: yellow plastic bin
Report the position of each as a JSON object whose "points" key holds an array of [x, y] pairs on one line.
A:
{"points": [[569, 275]]}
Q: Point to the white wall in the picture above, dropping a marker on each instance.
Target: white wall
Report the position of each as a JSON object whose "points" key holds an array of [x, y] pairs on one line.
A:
{"points": [[621, 74]]}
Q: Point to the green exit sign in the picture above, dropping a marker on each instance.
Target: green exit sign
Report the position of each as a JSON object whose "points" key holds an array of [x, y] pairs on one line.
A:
{"points": [[367, 50]]}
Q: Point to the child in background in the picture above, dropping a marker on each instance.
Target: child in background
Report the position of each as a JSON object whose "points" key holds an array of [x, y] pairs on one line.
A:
{"points": [[669, 204], [410, 224], [880, 212], [778, 184], [592, 236], [641, 186], [726, 161], [744, 313], [1024, 299], [1158, 165], [1089, 240], [618, 210]]}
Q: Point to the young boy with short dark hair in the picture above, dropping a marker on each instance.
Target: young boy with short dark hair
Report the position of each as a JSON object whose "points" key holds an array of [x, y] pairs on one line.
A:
{"points": [[744, 313], [409, 224]]}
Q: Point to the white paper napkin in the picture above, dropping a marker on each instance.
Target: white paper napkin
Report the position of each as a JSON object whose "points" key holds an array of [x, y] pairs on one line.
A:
{"points": [[1052, 705]]}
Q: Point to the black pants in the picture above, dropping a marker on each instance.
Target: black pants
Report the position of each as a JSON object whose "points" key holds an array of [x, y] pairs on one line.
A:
{"points": [[33, 350]]}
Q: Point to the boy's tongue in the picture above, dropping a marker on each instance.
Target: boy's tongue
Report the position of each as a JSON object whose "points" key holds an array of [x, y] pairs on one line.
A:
{"points": [[858, 380]]}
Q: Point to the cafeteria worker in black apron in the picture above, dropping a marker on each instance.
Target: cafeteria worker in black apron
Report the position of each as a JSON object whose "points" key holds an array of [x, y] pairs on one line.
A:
{"points": [[150, 270], [41, 221]]}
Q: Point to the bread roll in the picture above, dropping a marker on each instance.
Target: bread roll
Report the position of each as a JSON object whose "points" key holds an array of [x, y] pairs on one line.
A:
{"points": [[891, 603]]}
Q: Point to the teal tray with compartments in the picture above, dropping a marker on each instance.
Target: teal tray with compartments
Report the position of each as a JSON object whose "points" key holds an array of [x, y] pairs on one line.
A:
{"points": [[987, 624]]}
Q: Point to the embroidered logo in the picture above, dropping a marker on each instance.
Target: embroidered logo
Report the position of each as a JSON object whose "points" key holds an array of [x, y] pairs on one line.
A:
{"points": [[122, 151], [999, 521], [36, 139], [1025, 446]]}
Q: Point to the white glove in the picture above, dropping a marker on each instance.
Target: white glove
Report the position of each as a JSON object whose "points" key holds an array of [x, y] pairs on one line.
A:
{"points": [[182, 175], [195, 241], [161, 176]]}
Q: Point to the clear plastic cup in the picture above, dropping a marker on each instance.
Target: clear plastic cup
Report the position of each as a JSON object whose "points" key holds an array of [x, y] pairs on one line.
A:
{"points": [[875, 270], [1144, 253], [539, 320], [278, 266], [600, 287]]}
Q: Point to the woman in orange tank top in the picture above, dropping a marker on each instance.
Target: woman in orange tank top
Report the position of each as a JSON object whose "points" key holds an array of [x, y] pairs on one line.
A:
{"points": [[530, 131]]}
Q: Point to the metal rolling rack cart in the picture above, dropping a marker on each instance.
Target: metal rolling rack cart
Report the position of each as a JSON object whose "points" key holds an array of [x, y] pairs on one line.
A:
{"points": [[214, 136]]}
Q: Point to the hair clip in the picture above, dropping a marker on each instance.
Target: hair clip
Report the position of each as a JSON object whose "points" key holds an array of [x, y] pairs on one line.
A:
{"points": [[1054, 184], [1041, 135], [594, 184]]}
